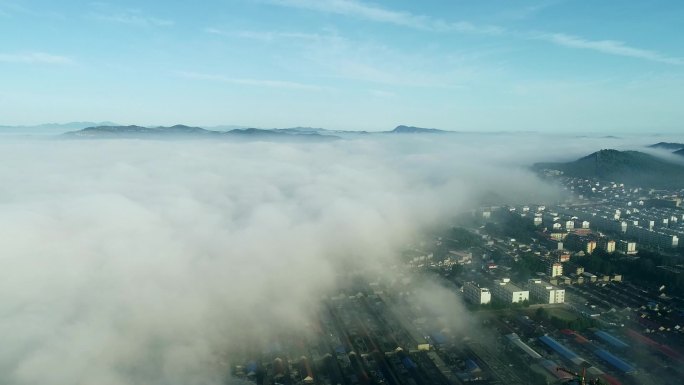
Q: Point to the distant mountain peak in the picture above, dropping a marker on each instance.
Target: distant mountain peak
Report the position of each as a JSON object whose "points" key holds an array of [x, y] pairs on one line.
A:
{"points": [[402, 129], [668, 145]]}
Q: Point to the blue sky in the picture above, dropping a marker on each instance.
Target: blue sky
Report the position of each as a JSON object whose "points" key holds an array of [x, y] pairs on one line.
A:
{"points": [[479, 65]]}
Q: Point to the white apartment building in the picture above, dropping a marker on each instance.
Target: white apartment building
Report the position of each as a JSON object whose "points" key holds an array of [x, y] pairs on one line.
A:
{"points": [[476, 294], [626, 247], [545, 292], [505, 291], [555, 269]]}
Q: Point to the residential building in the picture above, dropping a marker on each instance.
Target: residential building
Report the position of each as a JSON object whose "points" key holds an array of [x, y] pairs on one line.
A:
{"points": [[554, 269], [608, 245], [545, 292], [475, 294], [507, 292], [626, 247], [590, 246]]}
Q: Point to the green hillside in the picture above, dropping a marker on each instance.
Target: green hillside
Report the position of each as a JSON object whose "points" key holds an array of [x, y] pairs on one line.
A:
{"points": [[629, 167]]}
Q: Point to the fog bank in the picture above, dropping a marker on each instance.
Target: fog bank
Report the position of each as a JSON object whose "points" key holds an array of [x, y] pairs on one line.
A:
{"points": [[137, 262]]}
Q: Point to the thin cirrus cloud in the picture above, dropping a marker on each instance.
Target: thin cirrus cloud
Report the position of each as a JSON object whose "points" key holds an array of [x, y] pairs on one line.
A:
{"points": [[268, 36], [268, 83], [375, 13], [611, 47], [354, 8], [339, 57], [34, 58], [136, 17]]}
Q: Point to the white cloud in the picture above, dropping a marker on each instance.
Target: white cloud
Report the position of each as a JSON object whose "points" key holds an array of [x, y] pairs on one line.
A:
{"points": [[108, 13], [379, 14], [146, 262], [269, 35], [134, 19], [249, 82], [610, 47], [527, 11], [382, 93], [150, 260], [34, 58], [358, 9]]}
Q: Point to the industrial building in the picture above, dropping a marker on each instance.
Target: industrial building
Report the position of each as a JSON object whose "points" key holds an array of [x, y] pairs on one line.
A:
{"points": [[552, 367], [614, 361], [514, 339], [562, 350], [611, 340]]}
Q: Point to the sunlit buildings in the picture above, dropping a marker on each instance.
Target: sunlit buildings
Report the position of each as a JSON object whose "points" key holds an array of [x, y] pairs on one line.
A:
{"points": [[507, 292], [554, 269], [475, 294], [626, 247], [545, 292]]}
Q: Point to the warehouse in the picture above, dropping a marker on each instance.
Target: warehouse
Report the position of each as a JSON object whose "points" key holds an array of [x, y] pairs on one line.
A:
{"points": [[611, 340], [615, 361], [562, 350], [515, 340]]}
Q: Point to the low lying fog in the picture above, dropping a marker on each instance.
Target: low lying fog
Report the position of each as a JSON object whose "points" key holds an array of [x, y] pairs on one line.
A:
{"points": [[137, 262]]}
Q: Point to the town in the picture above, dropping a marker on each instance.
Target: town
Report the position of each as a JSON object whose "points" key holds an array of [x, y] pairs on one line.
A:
{"points": [[588, 289]]}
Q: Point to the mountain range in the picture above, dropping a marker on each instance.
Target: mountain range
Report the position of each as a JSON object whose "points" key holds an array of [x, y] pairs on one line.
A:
{"points": [[629, 167], [183, 131], [678, 147], [306, 133]]}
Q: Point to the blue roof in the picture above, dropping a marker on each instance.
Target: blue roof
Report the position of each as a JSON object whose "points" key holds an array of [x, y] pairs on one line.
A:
{"points": [[558, 348], [408, 363], [438, 337], [471, 365], [615, 361], [610, 339]]}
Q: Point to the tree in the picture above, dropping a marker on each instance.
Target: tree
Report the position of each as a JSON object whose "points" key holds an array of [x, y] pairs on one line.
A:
{"points": [[541, 313]]}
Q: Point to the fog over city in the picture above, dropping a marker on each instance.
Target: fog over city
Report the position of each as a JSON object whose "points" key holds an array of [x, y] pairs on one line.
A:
{"points": [[341, 192], [144, 261]]}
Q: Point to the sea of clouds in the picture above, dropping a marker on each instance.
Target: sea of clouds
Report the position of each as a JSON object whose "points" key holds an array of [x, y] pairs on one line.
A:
{"points": [[138, 261]]}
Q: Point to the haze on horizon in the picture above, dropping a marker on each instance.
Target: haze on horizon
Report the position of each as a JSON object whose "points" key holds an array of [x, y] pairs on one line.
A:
{"points": [[529, 65]]}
